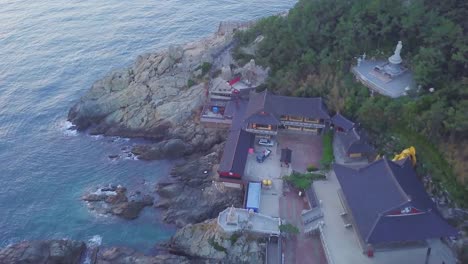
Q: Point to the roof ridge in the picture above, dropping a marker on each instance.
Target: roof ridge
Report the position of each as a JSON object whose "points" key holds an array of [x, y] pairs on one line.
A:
{"points": [[387, 165], [373, 227], [356, 133]]}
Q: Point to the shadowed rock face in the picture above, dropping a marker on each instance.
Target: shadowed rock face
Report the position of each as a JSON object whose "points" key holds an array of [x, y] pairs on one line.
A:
{"points": [[122, 255], [152, 100], [207, 241], [191, 195], [47, 252], [113, 200]]}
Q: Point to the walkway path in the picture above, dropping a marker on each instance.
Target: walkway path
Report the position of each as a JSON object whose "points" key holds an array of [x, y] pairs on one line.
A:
{"points": [[299, 249]]}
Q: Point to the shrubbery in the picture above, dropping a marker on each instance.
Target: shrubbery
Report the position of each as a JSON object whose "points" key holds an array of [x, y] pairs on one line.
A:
{"points": [[289, 228], [302, 181], [327, 154], [311, 168]]}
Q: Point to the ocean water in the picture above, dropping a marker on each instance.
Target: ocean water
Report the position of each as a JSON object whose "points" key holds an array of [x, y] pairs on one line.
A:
{"points": [[50, 54]]}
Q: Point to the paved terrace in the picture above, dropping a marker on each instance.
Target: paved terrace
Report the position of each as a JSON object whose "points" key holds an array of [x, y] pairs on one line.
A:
{"points": [[392, 87], [306, 148], [269, 169], [343, 243], [254, 222]]}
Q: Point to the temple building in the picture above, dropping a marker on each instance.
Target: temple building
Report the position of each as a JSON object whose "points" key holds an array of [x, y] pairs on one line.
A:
{"points": [[389, 78], [263, 115], [267, 113], [394, 211], [352, 142], [355, 144], [341, 123]]}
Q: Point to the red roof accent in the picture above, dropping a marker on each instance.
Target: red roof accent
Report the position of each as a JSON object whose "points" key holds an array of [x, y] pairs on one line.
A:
{"points": [[234, 81], [405, 211]]}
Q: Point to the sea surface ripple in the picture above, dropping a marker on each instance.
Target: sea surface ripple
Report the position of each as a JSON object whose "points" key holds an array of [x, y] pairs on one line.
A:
{"points": [[50, 54]]}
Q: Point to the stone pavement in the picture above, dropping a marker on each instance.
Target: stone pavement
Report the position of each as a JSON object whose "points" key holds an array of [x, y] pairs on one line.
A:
{"points": [[270, 169], [301, 248], [343, 243], [306, 148]]}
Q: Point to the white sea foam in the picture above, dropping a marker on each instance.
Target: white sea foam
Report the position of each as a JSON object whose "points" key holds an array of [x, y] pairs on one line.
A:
{"points": [[97, 137], [95, 241], [66, 127], [130, 156]]}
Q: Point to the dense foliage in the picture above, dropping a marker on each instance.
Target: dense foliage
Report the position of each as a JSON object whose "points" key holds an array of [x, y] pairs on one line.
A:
{"points": [[311, 50], [289, 228]]}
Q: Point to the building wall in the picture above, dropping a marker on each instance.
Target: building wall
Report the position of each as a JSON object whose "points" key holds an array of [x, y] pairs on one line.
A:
{"points": [[355, 155]]}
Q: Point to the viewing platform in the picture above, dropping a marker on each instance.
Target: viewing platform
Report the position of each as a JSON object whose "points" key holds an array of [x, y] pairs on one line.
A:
{"points": [[237, 219]]}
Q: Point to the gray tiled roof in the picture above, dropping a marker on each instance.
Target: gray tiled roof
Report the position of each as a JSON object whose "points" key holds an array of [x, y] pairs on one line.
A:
{"points": [[266, 108], [286, 155], [376, 196], [353, 142], [236, 151], [238, 142], [341, 121]]}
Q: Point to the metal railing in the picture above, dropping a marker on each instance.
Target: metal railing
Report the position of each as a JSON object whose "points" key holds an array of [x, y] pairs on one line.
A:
{"points": [[302, 124], [325, 246], [261, 131]]}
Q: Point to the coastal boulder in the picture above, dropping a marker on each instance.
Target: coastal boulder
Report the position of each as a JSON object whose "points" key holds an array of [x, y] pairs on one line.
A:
{"points": [[168, 149], [123, 255], [114, 200], [49, 251], [206, 240]]}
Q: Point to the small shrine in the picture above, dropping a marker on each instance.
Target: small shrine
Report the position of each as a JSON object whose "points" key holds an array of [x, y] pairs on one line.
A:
{"points": [[232, 217], [390, 78]]}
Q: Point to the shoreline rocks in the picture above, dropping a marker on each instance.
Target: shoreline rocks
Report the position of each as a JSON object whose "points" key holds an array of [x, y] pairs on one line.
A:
{"points": [[205, 240], [160, 98], [191, 195], [113, 200], [158, 93], [49, 251]]}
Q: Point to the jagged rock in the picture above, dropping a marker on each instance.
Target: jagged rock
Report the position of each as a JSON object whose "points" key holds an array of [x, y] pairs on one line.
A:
{"points": [[168, 149], [50, 252], [206, 240], [122, 255], [113, 200], [192, 196], [151, 97]]}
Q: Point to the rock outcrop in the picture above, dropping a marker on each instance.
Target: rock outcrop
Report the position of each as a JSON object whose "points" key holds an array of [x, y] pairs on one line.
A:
{"points": [[205, 240], [122, 255], [47, 252], [157, 93], [185, 140], [114, 200], [191, 195]]}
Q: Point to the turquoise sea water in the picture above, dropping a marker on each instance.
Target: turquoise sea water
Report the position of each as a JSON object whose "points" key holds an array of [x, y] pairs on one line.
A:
{"points": [[50, 54]]}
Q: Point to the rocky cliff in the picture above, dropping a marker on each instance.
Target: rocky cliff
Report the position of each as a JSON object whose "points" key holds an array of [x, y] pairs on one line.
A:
{"points": [[160, 91], [191, 195], [158, 98], [43, 252], [207, 241]]}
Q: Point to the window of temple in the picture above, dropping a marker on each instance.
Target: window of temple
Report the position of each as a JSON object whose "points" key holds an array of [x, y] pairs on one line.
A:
{"points": [[312, 120], [296, 118]]}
